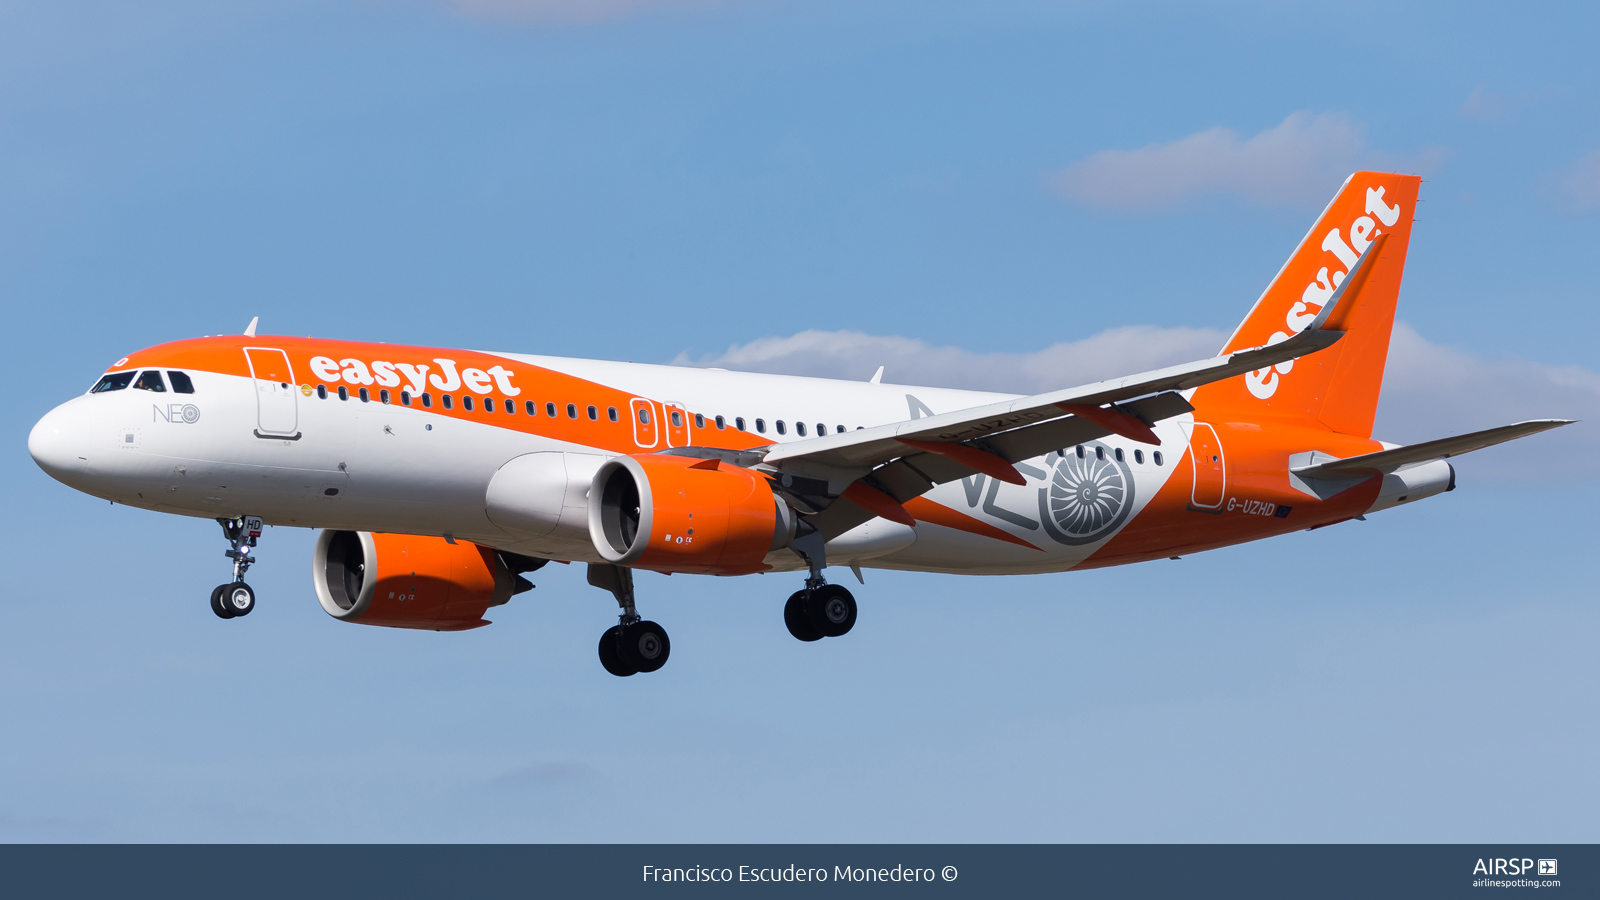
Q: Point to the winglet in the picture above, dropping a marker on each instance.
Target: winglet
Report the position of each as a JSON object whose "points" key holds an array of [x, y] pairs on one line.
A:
{"points": [[877, 377], [250, 330]]}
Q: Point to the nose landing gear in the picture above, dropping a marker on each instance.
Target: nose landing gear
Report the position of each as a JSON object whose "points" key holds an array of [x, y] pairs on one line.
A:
{"points": [[633, 645], [229, 601]]}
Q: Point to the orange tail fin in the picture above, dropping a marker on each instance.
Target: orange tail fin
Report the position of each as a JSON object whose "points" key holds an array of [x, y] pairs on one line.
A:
{"points": [[1337, 387]]}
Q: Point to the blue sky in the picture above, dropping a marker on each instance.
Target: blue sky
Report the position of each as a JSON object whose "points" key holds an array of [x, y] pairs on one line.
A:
{"points": [[972, 195]]}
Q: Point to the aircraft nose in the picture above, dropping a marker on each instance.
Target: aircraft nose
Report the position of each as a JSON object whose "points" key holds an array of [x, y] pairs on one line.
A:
{"points": [[58, 444]]}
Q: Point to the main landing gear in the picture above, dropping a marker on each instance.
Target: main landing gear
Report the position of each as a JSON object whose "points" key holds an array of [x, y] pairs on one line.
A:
{"points": [[229, 601], [820, 610], [632, 645]]}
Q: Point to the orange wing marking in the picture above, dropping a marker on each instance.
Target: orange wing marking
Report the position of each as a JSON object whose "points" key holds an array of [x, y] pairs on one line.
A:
{"points": [[928, 511]]}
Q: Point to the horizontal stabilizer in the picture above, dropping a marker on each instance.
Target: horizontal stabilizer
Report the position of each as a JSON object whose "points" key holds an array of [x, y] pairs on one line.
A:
{"points": [[1385, 461]]}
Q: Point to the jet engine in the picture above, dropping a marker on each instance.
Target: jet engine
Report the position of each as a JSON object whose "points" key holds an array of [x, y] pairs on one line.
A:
{"points": [[406, 581], [681, 514]]}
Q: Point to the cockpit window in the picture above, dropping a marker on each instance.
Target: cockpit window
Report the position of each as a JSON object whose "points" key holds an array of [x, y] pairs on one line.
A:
{"points": [[116, 381], [150, 381], [181, 382]]}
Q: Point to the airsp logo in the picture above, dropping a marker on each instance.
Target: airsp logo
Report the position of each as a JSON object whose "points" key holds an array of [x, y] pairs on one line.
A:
{"points": [[177, 413]]}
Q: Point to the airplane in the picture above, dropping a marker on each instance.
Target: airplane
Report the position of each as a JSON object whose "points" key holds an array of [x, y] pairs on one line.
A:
{"points": [[440, 478]]}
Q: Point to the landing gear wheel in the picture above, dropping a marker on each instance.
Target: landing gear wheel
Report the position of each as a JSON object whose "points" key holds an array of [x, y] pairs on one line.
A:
{"points": [[216, 602], [831, 610], [645, 646], [794, 616], [238, 599], [610, 658]]}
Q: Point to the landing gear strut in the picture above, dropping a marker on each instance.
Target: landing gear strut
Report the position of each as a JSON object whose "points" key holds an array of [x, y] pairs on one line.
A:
{"points": [[236, 598], [632, 645]]}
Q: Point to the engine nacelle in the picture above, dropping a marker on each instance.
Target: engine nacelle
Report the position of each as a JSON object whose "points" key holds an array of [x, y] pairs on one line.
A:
{"points": [[681, 514], [406, 581]]}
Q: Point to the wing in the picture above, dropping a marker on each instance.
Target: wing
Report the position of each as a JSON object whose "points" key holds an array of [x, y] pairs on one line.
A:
{"points": [[874, 470], [1386, 461]]}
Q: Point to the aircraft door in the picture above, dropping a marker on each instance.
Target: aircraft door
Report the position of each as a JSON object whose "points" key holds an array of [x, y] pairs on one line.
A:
{"points": [[677, 425], [1210, 469], [644, 422], [277, 412]]}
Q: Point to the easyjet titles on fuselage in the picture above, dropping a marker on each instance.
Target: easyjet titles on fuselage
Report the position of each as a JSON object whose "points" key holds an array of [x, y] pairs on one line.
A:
{"points": [[387, 374]]}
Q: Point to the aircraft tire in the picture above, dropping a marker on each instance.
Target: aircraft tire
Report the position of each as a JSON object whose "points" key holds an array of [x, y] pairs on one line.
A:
{"points": [[610, 658], [645, 646], [239, 599], [216, 602], [794, 616], [831, 610]]}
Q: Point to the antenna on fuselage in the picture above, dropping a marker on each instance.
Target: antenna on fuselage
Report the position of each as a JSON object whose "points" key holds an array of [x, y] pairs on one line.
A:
{"points": [[250, 330]]}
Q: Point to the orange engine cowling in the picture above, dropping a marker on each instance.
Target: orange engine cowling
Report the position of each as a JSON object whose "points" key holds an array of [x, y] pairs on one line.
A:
{"points": [[407, 581], [681, 514]]}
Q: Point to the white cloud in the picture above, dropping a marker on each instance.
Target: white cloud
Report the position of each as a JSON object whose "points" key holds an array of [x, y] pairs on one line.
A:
{"points": [[568, 11], [1301, 160], [1582, 182], [1430, 390], [854, 355]]}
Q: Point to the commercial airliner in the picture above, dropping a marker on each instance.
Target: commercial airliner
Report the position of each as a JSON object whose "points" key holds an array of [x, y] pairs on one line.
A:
{"points": [[440, 478]]}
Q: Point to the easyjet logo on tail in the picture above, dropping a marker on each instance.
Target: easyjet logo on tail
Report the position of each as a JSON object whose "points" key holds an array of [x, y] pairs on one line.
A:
{"points": [[388, 374], [1346, 247]]}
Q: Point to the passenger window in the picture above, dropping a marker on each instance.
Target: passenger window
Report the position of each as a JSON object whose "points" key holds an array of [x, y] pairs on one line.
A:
{"points": [[181, 383], [112, 383], [821, 429], [840, 429], [445, 400], [1119, 454], [572, 410], [466, 402], [365, 397], [644, 416], [1099, 453], [488, 404], [611, 413], [677, 419], [322, 392], [384, 396], [511, 407], [1157, 457], [699, 420], [761, 426], [550, 410], [427, 400], [405, 398], [594, 414], [721, 423], [1138, 456], [781, 429], [150, 381], [799, 428], [738, 422], [530, 407], [1080, 451], [343, 394]]}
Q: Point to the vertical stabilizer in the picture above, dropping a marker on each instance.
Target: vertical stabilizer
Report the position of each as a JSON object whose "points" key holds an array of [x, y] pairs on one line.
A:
{"points": [[1337, 387]]}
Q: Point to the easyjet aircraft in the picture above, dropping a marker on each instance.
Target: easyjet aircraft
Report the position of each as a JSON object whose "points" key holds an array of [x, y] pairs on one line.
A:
{"points": [[441, 477]]}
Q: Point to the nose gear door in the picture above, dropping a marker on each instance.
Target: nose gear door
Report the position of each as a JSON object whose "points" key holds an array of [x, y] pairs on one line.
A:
{"points": [[1210, 471], [277, 410]]}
